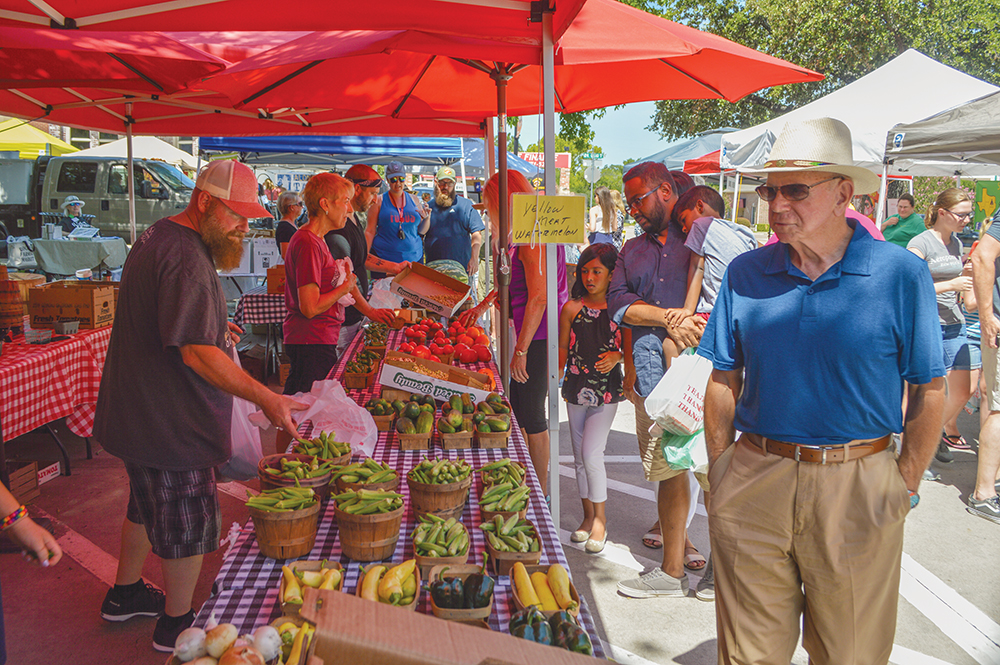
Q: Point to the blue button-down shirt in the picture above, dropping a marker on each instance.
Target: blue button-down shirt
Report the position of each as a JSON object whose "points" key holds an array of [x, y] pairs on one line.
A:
{"points": [[825, 360], [655, 273]]}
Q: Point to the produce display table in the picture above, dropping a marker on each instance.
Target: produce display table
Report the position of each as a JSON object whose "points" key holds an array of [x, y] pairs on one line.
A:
{"points": [[42, 383], [65, 257], [259, 306], [247, 584]]}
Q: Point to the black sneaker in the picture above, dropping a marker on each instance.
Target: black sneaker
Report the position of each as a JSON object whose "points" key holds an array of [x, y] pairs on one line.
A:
{"points": [[148, 601], [943, 454], [987, 508], [165, 638]]}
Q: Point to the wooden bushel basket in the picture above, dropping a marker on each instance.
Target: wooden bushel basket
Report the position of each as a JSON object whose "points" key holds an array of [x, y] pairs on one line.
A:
{"points": [[320, 485], [369, 537], [502, 562], [286, 535], [447, 500]]}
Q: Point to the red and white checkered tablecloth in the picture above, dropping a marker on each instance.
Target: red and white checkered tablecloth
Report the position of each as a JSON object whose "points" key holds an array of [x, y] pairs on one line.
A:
{"points": [[259, 306], [42, 383]]}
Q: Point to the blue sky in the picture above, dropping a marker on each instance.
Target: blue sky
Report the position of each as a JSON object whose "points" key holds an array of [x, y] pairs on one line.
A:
{"points": [[621, 134]]}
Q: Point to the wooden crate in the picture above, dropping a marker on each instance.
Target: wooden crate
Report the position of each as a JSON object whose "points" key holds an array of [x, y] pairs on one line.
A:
{"points": [[24, 481]]}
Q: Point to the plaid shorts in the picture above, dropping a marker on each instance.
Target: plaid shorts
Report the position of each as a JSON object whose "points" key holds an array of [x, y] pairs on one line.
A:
{"points": [[180, 510]]}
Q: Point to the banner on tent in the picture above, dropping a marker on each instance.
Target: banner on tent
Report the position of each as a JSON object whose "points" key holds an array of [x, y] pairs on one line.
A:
{"points": [[548, 219]]}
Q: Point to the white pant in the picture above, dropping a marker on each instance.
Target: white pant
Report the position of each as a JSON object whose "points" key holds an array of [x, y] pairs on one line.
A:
{"points": [[589, 427], [347, 335]]}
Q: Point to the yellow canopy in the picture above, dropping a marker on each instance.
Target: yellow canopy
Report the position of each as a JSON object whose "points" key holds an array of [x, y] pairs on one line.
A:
{"points": [[17, 135]]}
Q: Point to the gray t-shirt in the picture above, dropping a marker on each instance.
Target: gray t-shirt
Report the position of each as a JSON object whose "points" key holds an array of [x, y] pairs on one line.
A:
{"points": [[994, 231], [719, 241], [152, 409], [945, 263]]}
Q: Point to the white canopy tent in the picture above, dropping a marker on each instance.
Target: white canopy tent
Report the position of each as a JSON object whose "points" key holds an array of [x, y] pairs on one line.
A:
{"points": [[908, 88], [144, 147]]}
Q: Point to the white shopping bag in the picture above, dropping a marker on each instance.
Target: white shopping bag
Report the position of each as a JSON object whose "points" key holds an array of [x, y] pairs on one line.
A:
{"points": [[247, 451], [382, 296], [344, 268], [331, 410], [677, 403]]}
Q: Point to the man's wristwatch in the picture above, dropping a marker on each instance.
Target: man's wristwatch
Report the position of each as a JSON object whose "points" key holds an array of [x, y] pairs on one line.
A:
{"points": [[519, 353]]}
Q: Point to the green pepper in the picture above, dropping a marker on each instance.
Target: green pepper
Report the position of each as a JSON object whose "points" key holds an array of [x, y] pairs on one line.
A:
{"points": [[478, 591], [447, 592], [530, 624]]}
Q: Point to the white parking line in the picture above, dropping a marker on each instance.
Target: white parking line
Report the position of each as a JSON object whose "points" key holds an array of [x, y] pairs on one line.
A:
{"points": [[619, 655], [957, 618]]}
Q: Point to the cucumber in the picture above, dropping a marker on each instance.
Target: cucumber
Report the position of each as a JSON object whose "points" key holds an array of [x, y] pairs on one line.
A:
{"points": [[497, 424], [467, 406], [425, 421], [405, 426], [483, 407], [478, 417], [411, 410], [455, 418], [445, 426], [398, 406], [456, 403], [483, 428]]}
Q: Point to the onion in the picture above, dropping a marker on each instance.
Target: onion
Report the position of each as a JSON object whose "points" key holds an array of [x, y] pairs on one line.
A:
{"points": [[267, 641], [220, 638], [190, 644], [242, 656]]}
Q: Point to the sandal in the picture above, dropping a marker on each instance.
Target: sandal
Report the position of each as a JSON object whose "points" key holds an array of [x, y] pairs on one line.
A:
{"points": [[652, 539], [956, 441], [693, 560]]}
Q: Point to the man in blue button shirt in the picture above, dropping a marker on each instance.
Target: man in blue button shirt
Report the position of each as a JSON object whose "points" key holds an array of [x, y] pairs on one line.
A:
{"points": [[828, 326], [456, 230], [649, 278]]}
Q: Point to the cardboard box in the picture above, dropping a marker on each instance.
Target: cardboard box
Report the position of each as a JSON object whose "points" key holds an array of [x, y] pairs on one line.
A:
{"points": [[266, 255], [446, 381], [47, 471], [362, 632], [246, 262], [420, 284], [23, 480], [252, 360], [276, 279], [90, 303]]}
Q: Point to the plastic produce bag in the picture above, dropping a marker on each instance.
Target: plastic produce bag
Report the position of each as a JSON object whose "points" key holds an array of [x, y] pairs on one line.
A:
{"points": [[20, 253], [684, 451], [677, 403], [344, 268], [247, 451], [331, 410], [382, 296]]}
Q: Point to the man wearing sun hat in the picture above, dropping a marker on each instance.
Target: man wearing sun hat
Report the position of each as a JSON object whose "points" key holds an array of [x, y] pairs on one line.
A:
{"points": [[456, 231], [166, 397], [812, 341]]}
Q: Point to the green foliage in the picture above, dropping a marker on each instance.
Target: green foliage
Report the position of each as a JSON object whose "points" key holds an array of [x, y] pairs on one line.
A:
{"points": [[611, 175], [843, 39]]}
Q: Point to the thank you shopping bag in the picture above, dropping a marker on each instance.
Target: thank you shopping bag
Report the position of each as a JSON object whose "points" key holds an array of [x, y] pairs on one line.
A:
{"points": [[677, 403], [247, 451]]}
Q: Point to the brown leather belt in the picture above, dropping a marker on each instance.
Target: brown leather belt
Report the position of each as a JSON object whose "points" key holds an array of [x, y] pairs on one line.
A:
{"points": [[819, 454]]}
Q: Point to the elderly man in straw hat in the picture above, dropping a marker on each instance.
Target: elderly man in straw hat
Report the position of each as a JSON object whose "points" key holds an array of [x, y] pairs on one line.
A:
{"points": [[812, 341]]}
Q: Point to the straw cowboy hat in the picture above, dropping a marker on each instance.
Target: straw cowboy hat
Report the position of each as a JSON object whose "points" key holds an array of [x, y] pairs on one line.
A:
{"points": [[821, 144]]}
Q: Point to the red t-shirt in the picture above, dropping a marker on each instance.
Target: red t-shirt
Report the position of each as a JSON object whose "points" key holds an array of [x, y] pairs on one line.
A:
{"points": [[308, 261]]}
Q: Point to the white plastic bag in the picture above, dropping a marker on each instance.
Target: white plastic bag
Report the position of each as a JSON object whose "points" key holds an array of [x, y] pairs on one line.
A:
{"points": [[344, 269], [247, 451], [677, 403], [382, 296], [331, 410]]}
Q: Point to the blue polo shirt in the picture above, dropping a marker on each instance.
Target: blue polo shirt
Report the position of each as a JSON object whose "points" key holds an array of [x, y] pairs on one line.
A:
{"points": [[655, 273], [825, 361]]}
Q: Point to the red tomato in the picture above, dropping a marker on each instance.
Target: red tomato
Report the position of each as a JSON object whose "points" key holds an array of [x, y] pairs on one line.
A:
{"points": [[467, 356], [436, 325], [461, 347], [483, 352], [421, 349], [465, 339], [437, 359], [439, 334], [406, 347], [435, 349], [474, 331], [483, 339], [448, 348], [457, 328]]}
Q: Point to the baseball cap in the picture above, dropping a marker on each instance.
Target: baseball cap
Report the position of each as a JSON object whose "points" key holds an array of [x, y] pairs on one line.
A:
{"points": [[446, 173], [235, 185], [393, 169], [363, 175]]}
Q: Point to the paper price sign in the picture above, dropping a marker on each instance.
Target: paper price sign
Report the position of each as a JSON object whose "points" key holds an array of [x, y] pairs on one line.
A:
{"points": [[549, 220]]}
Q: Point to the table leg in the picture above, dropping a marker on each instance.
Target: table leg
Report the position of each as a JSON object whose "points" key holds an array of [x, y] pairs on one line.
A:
{"points": [[4, 476], [90, 451], [65, 453]]}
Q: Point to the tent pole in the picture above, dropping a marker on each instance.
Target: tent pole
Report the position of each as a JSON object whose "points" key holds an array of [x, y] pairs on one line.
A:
{"points": [[883, 189], [461, 166], [501, 75], [736, 196], [551, 265], [490, 151], [131, 172]]}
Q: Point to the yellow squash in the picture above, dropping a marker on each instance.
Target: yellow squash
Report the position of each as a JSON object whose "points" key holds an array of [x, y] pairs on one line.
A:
{"points": [[390, 589], [293, 591], [541, 585], [559, 583], [369, 588], [522, 585]]}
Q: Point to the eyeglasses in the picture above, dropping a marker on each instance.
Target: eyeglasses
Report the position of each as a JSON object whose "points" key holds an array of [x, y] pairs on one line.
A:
{"points": [[396, 178], [637, 201], [961, 216], [793, 192]]}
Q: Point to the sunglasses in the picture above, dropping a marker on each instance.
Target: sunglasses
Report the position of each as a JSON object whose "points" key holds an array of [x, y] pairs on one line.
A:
{"points": [[397, 178], [793, 192]]}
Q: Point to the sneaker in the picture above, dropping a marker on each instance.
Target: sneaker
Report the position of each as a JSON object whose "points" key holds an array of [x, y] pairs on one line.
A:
{"points": [[987, 508], [943, 454], [653, 584], [147, 601], [931, 475], [706, 585], [164, 639]]}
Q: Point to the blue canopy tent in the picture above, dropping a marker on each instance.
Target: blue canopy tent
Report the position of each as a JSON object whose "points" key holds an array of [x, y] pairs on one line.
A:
{"points": [[336, 150], [676, 153], [475, 156]]}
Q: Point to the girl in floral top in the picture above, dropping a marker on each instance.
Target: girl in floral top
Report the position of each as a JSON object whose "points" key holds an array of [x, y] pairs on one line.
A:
{"points": [[590, 351]]}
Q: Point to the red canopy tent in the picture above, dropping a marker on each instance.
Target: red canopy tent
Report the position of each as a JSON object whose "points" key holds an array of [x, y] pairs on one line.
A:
{"points": [[704, 165]]}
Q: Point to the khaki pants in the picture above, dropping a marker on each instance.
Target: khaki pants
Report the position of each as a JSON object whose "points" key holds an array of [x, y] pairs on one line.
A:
{"points": [[654, 465], [821, 542]]}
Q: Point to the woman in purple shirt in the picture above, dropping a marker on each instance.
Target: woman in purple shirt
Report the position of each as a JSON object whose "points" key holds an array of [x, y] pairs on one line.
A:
{"points": [[528, 389]]}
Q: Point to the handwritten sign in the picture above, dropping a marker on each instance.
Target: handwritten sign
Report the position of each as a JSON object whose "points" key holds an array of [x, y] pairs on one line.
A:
{"points": [[548, 219]]}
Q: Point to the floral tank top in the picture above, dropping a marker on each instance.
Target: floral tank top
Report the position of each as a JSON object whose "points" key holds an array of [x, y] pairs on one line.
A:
{"points": [[591, 334]]}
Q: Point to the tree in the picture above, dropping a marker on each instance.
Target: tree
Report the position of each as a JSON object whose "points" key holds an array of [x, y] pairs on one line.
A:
{"points": [[843, 39]]}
